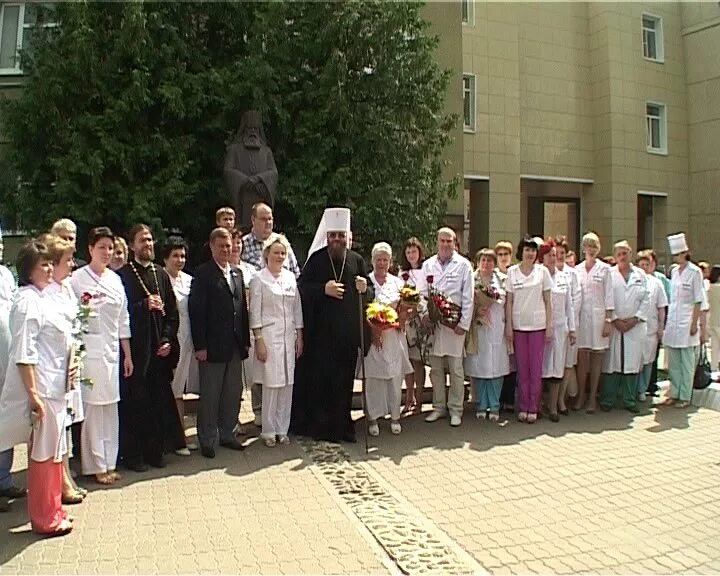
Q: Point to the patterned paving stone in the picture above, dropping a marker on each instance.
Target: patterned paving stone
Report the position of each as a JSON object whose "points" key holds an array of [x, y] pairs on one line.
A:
{"points": [[593, 494]]}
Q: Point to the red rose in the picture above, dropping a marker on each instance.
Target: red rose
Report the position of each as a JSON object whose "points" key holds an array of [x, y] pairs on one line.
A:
{"points": [[85, 298], [405, 276], [429, 278]]}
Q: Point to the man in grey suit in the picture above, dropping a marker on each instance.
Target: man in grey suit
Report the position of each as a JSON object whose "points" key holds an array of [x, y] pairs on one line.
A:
{"points": [[220, 329]]}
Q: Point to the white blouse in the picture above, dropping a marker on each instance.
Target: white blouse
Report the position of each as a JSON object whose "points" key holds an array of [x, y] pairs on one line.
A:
{"points": [[528, 305]]}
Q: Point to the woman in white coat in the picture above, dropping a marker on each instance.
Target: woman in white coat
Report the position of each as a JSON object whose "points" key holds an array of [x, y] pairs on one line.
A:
{"points": [[186, 377], [624, 358], [412, 274], [682, 331], [387, 361], [101, 291], [8, 289], [487, 361], [655, 324], [61, 293], [33, 405], [595, 317], [568, 386], [563, 323], [277, 325]]}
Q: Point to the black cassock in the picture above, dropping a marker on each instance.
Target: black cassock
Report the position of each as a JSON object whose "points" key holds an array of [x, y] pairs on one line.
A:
{"points": [[324, 375], [149, 422]]}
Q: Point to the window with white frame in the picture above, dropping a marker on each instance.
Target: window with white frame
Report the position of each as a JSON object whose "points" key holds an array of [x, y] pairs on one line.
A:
{"points": [[18, 22], [652, 31], [468, 11], [656, 121], [469, 102]]}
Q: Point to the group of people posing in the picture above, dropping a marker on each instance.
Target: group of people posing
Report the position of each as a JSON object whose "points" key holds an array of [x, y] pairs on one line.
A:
{"points": [[111, 346]]}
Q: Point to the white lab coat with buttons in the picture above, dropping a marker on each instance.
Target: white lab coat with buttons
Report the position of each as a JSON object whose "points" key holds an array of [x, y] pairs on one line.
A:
{"points": [[597, 298], [563, 322], [576, 295], [110, 324], [8, 289], [455, 281], [491, 359], [392, 359], [686, 290], [631, 301], [65, 302], [275, 307], [41, 337], [656, 300]]}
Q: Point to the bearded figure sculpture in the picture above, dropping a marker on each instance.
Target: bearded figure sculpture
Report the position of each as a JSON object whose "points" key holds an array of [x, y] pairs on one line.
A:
{"points": [[250, 174]]}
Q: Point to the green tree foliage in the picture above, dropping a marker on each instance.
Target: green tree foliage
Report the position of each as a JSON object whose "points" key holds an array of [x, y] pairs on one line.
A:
{"points": [[128, 108]]}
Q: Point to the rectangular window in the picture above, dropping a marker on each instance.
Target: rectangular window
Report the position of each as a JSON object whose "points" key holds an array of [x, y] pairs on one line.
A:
{"points": [[652, 31], [656, 122], [18, 22], [468, 11], [11, 18], [469, 102]]}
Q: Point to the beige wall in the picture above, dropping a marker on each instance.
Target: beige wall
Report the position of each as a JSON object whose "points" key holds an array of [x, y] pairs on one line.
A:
{"points": [[491, 53], [446, 21], [701, 38], [561, 93], [624, 82]]}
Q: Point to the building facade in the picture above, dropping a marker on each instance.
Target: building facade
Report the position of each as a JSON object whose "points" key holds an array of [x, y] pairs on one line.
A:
{"points": [[573, 116], [592, 116]]}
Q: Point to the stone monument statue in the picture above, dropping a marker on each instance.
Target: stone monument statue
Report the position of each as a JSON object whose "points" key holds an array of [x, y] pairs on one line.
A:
{"points": [[250, 173]]}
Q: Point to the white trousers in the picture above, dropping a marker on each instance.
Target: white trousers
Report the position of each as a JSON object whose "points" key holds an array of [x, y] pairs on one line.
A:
{"points": [[382, 396], [276, 406], [456, 395], [99, 438]]}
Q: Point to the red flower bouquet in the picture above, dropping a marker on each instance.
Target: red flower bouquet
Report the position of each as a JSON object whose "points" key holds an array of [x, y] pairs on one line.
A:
{"points": [[442, 310]]}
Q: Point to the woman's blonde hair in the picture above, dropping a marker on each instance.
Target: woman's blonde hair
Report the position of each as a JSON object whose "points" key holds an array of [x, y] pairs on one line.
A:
{"points": [[56, 247], [120, 241], [273, 239], [591, 239], [381, 248]]}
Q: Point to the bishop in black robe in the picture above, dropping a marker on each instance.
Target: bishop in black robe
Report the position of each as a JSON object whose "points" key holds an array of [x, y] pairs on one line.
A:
{"points": [[324, 376], [149, 422]]}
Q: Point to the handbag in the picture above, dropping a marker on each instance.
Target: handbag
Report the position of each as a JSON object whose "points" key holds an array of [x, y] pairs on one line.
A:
{"points": [[703, 373]]}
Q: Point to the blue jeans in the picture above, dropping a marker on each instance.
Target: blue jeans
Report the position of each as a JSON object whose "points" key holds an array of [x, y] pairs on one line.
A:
{"points": [[487, 393], [6, 461], [644, 378]]}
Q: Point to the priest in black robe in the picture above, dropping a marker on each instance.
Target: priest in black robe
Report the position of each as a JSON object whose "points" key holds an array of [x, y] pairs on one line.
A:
{"points": [[335, 288], [149, 421]]}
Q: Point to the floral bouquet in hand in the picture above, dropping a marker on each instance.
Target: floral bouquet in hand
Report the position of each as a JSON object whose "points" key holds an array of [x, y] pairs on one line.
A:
{"points": [[381, 317], [80, 328], [485, 296], [409, 295], [441, 309]]}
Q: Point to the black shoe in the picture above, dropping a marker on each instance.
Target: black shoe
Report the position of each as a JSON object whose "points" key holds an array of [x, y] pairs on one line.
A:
{"points": [[137, 466], [605, 408], [232, 445], [4, 504], [350, 438], [159, 463], [632, 409], [554, 418], [564, 412], [13, 492], [207, 451]]}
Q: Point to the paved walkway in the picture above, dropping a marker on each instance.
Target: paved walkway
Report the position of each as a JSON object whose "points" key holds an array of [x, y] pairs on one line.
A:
{"points": [[604, 493]]}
